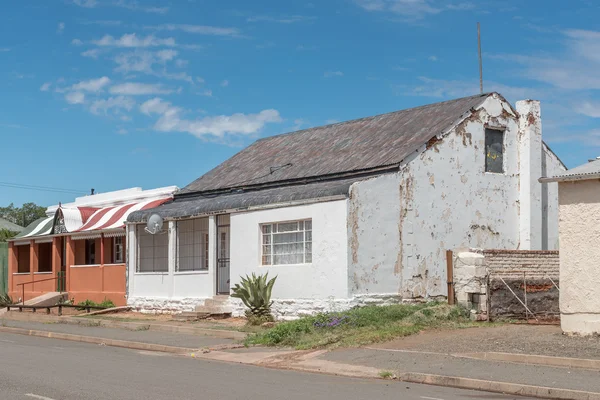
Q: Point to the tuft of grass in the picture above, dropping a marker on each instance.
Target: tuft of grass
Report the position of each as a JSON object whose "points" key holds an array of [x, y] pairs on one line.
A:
{"points": [[387, 375], [361, 326]]}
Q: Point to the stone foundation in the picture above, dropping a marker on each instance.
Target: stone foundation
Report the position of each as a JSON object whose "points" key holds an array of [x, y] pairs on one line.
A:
{"points": [[152, 305], [290, 309]]}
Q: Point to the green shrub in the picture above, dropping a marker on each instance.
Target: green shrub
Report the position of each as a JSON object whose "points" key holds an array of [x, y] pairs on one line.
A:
{"points": [[6, 300], [89, 303]]}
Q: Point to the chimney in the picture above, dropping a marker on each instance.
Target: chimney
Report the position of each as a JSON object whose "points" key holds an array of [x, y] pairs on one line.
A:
{"points": [[530, 170]]}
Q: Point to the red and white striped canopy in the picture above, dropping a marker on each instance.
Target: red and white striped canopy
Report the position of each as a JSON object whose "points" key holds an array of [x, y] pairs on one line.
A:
{"points": [[115, 217]]}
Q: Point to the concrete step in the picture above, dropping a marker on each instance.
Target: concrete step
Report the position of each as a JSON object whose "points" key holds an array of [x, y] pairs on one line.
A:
{"points": [[47, 299], [213, 310], [190, 316]]}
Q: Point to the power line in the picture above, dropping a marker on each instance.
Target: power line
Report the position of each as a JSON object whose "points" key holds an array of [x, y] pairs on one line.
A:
{"points": [[41, 188]]}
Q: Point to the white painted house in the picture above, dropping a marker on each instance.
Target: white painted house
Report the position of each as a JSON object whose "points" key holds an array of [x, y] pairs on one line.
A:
{"points": [[355, 212]]}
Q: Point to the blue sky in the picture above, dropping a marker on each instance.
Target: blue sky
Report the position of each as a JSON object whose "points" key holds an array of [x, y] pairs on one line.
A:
{"points": [[110, 94]]}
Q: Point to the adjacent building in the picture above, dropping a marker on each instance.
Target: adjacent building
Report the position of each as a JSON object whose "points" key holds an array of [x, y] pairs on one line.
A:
{"points": [[355, 212], [579, 205], [79, 247]]}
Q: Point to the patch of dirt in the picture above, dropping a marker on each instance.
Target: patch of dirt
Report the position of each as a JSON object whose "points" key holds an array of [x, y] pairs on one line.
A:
{"points": [[168, 319], [547, 340]]}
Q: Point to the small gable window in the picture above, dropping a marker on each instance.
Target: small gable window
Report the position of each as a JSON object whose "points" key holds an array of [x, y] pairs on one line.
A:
{"points": [[494, 151]]}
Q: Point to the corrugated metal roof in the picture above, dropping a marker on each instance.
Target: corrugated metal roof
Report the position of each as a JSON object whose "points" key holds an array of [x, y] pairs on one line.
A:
{"points": [[4, 224], [591, 170], [114, 217], [198, 206], [356, 145], [39, 227]]}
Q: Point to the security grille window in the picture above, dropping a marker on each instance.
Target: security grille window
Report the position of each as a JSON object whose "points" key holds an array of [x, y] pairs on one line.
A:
{"points": [[153, 251], [192, 245], [287, 243], [118, 249], [494, 151]]}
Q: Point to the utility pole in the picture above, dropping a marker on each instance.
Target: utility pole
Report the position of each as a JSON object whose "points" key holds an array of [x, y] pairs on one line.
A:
{"points": [[480, 62]]}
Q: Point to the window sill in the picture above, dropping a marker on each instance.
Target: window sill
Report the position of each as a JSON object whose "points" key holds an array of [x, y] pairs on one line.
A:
{"points": [[42, 273], [86, 266], [151, 273], [203, 272], [21, 273], [115, 265], [285, 265]]}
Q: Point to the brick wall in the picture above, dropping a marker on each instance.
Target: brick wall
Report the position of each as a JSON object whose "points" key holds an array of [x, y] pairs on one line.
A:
{"points": [[531, 275]]}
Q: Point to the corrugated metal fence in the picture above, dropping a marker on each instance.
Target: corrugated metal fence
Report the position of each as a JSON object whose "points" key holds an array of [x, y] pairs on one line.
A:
{"points": [[3, 268]]}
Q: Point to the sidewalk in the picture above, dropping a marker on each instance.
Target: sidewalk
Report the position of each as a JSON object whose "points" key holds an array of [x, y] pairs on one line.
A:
{"points": [[141, 336]]}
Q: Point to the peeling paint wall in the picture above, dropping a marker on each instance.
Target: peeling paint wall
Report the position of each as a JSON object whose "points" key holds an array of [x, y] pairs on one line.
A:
{"points": [[400, 225]]}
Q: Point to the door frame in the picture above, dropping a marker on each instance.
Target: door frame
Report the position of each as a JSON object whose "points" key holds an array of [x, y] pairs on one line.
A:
{"points": [[223, 263]]}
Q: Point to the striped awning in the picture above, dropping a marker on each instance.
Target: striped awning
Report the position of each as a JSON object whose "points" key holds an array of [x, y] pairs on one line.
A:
{"points": [[39, 227], [115, 217]]}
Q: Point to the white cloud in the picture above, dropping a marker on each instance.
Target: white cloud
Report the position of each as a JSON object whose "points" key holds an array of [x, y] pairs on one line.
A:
{"points": [[61, 27], [45, 87], [170, 120], [86, 3], [136, 6], [91, 53], [282, 19], [332, 121], [92, 85], [122, 131], [590, 109], [198, 29], [76, 42], [200, 80], [299, 123], [330, 74], [102, 106], [225, 83], [181, 63], [207, 93], [132, 40], [75, 98], [432, 58], [412, 9], [139, 89]]}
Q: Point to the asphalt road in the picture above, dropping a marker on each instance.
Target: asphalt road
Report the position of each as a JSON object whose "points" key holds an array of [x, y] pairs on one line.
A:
{"points": [[50, 369]]}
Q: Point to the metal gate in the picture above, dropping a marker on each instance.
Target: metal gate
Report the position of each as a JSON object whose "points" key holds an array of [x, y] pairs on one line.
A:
{"points": [[3, 268], [223, 254]]}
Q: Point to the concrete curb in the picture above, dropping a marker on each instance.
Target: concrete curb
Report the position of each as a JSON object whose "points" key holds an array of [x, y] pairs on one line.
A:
{"points": [[498, 387], [134, 326], [534, 359], [101, 341]]}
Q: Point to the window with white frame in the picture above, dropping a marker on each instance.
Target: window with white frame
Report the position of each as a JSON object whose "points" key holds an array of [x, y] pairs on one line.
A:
{"points": [[118, 249], [287, 243], [153, 251], [192, 245]]}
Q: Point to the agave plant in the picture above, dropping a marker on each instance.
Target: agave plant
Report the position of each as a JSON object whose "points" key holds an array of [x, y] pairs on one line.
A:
{"points": [[5, 300], [255, 293]]}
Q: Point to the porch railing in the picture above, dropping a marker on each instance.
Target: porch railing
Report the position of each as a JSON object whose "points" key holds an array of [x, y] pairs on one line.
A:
{"points": [[60, 284]]}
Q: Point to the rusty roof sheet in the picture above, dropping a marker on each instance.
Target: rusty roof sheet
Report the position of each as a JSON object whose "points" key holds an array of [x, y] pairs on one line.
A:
{"points": [[357, 145]]}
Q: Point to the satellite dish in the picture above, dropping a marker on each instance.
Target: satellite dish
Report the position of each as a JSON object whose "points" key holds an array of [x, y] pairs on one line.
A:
{"points": [[154, 224]]}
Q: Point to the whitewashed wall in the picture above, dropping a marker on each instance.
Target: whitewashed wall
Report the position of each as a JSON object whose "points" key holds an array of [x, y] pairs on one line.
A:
{"points": [[551, 166], [324, 278], [400, 225], [171, 291]]}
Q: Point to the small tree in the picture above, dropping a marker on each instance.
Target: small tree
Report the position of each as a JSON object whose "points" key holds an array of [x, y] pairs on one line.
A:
{"points": [[5, 234], [255, 293]]}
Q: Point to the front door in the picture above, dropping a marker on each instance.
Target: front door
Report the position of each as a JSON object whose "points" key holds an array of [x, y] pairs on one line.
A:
{"points": [[223, 254]]}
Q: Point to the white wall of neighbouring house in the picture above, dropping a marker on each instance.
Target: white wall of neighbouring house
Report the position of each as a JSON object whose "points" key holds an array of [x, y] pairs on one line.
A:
{"points": [[400, 225], [579, 256], [168, 291], [325, 277]]}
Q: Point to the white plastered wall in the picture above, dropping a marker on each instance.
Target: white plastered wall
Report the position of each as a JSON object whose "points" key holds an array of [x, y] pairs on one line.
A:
{"points": [[579, 256]]}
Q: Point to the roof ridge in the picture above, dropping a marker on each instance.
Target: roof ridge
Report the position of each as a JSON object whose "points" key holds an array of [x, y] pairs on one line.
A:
{"points": [[373, 116]]}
